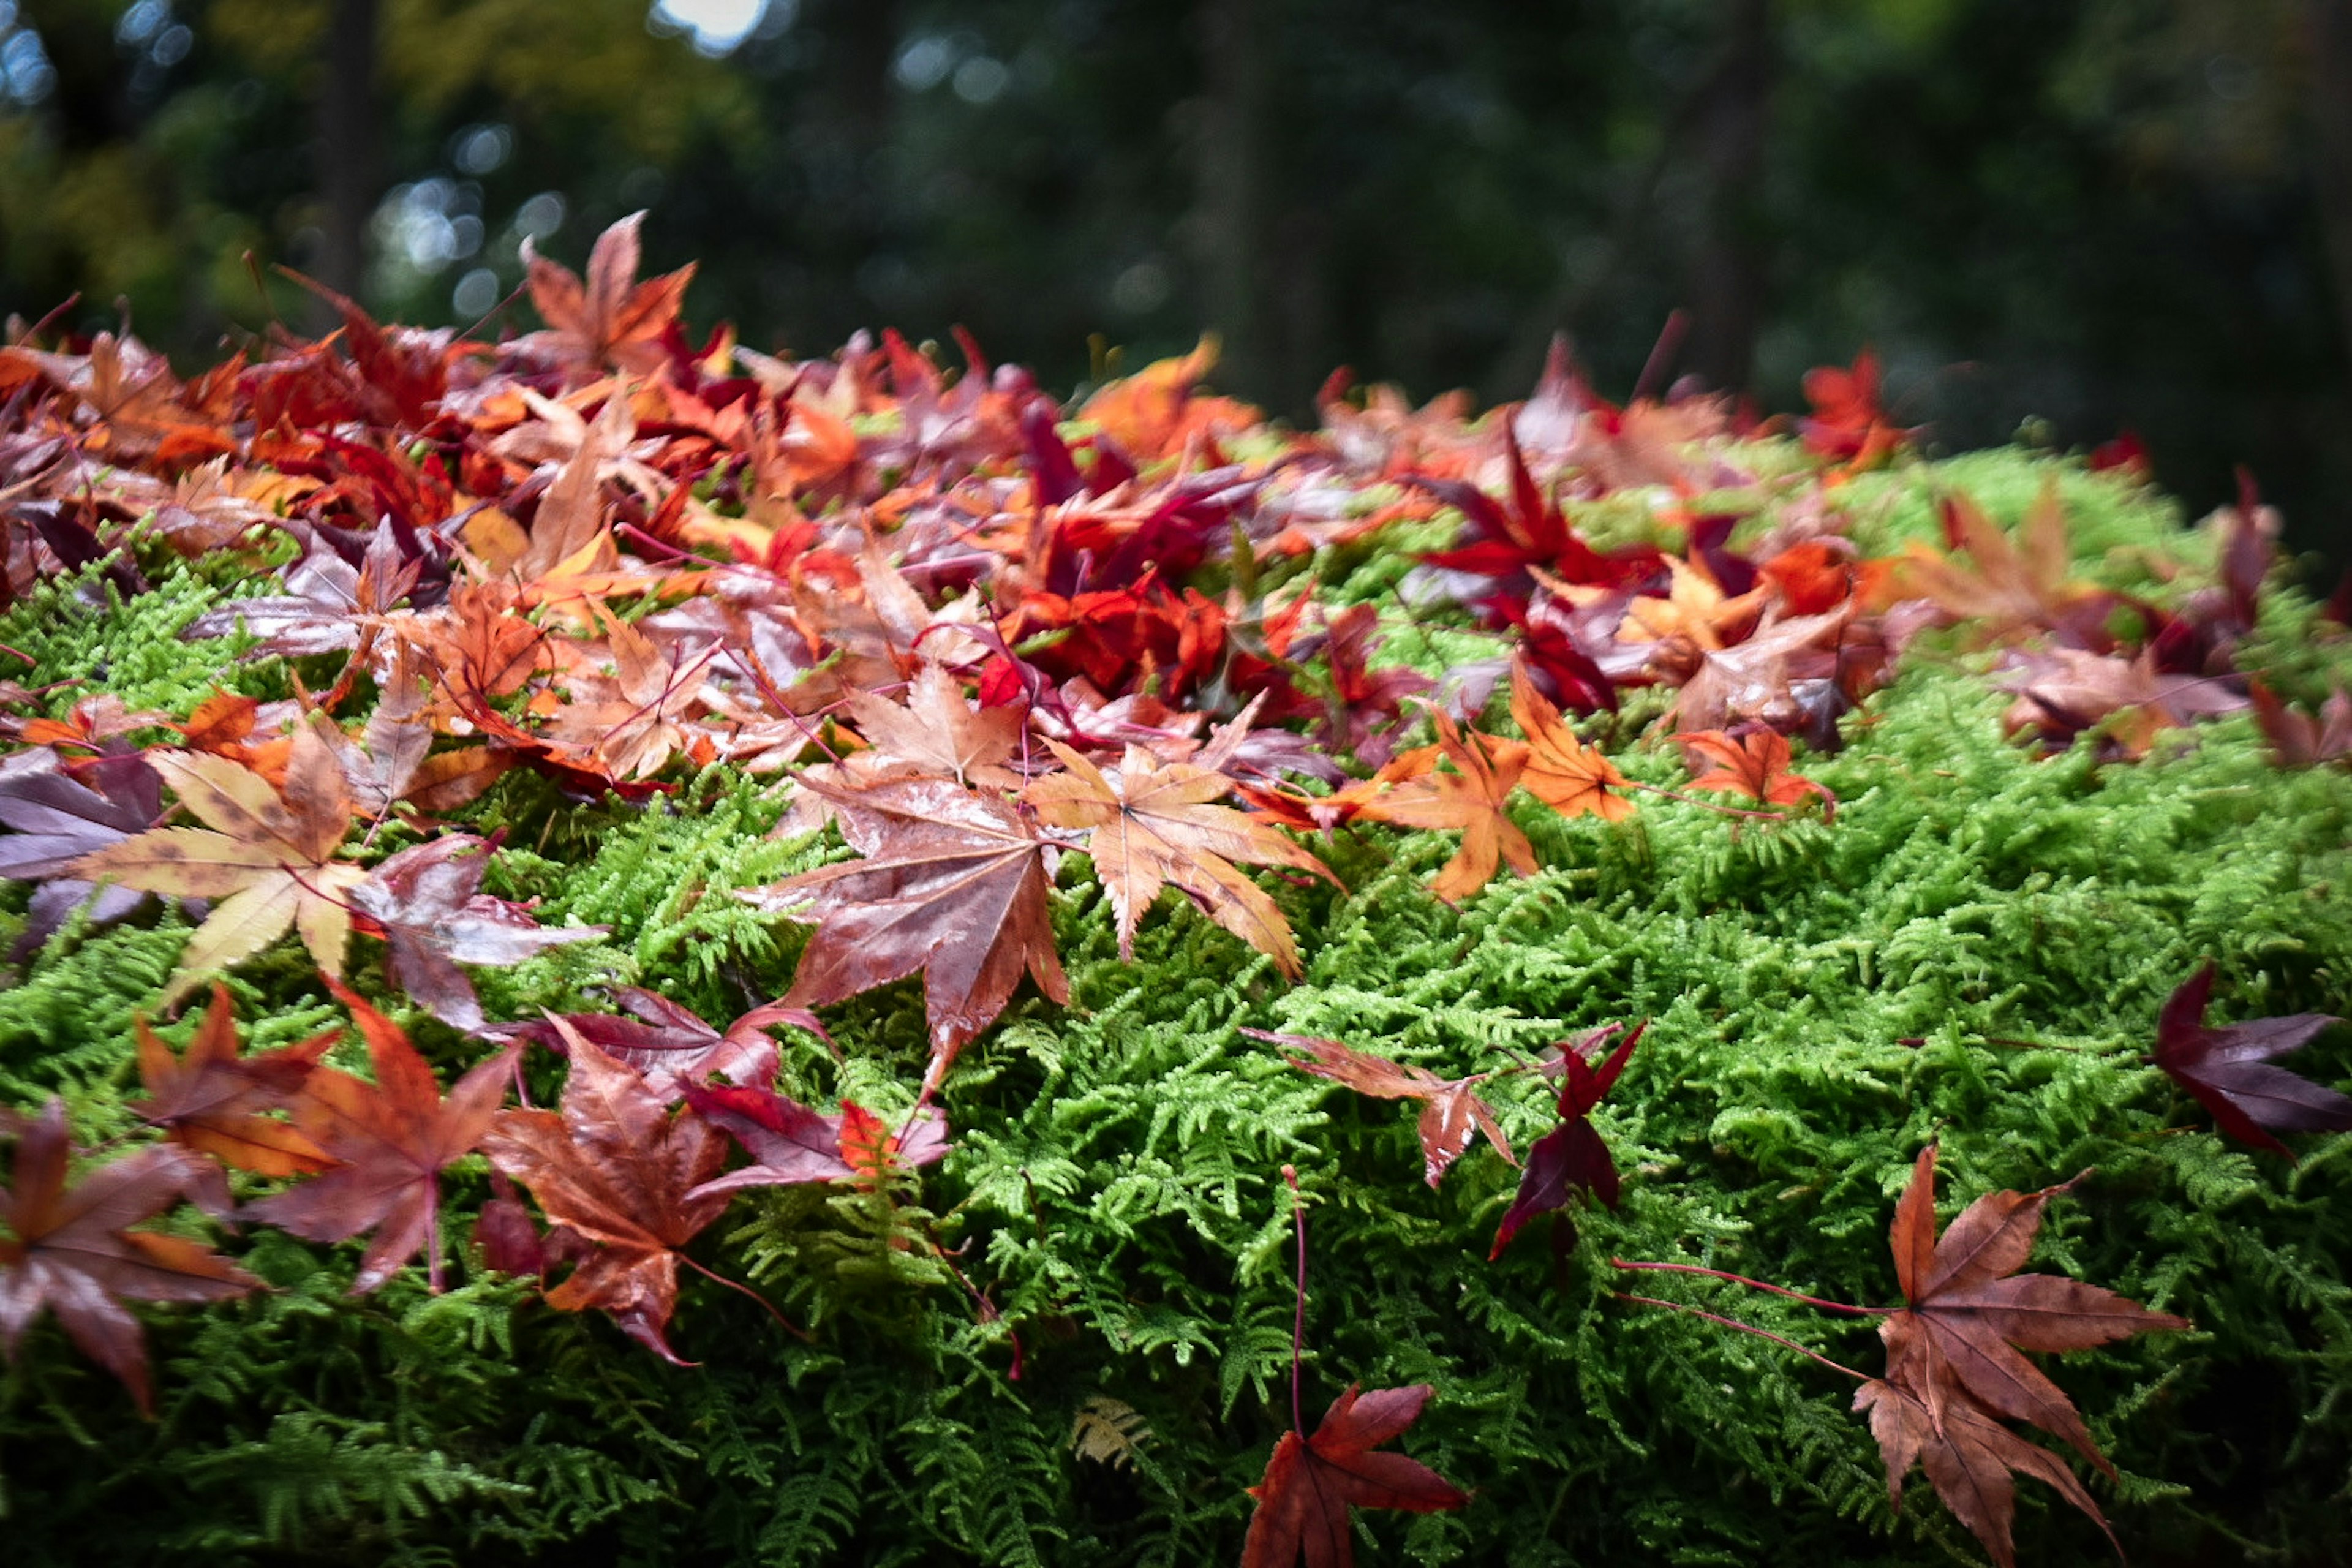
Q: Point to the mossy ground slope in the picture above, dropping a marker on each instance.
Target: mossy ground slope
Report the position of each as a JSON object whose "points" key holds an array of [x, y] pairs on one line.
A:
{"points": [[1973, 950]]}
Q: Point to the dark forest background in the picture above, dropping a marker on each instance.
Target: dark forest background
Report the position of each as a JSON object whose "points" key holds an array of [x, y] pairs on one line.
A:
{"points": [[2064, 217]]}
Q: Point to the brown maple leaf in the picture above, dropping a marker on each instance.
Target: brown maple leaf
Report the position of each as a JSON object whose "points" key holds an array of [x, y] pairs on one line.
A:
{"points": [[627, 726], [1451, 1110], [1472, 800], [954, 883], [69, 1250], [936, 732], [1756, 765], [210, 1099], [1971, 1313], [1153, 825], [1756, 678], [392, 1138], [617, 1170], [1566, 774], [1968, 1457], [2007, 587], [267, 856], [1311, 1482], [2063, 691], [612, 318]]}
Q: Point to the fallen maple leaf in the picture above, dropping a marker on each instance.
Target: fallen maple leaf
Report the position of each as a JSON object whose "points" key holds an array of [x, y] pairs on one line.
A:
{"points": [[68, 1249], [671, 1046], [1311, 1482], [1450, 1111], [59, 816], [2006, 587], [937, 733], [1572, 1155], [1848, 423], [1952, 1361], [393, 1137], [434, 916], [268, 857], [2229, 1068], [210, 1098], [612, 318], [2297, 739], [1971, 1313], [789, 1143], [2062, 691], [1563, 772], [1153, 825], [1473, 800], [875, 1152], [954, 883], [1968, 1457], [1756, 765], [616, 1169]]}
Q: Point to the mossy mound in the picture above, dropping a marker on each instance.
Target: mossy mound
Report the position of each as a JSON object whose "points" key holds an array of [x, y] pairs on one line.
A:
{"points": [[1973, 951]]}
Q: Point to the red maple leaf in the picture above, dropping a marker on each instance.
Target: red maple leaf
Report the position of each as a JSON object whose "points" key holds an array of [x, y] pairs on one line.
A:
{"points": [[1572, 1155], [1311, 1482], [393, 1139]]}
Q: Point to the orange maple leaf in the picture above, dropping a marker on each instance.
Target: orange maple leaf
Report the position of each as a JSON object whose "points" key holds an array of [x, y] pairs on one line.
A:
{"points": [[1756, 765]]}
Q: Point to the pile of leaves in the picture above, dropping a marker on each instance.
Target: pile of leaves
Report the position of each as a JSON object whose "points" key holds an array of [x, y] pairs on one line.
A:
{"points": [[532, 704]]}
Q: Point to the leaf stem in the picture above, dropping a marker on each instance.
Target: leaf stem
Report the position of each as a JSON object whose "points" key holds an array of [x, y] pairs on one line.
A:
{"points": [[1298, 1321], [1747, 1329], [741, 1290], [1716, 806], [1757, 1284]]}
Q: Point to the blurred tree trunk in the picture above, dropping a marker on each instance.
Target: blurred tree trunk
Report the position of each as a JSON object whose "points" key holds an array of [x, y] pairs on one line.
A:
{"points": [[88, 104], [1726, 300], [2329, 40], [840, 133], [1229, 218], [347, 169]]}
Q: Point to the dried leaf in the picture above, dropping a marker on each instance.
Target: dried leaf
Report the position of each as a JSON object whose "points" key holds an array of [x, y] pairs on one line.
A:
{"points": [[1153, 825], [618, 1170], [70, 1250]]}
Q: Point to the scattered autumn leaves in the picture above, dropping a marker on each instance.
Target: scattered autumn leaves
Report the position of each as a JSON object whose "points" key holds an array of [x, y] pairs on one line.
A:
{"points": [[977, 634]]}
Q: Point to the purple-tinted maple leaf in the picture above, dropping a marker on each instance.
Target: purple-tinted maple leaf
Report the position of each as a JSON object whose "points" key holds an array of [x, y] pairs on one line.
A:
{"points": [[1572, 1155], [330, 600], [57, 816], [435, 917], [2228, 1070], [670, 1045], [789, 1143]]}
